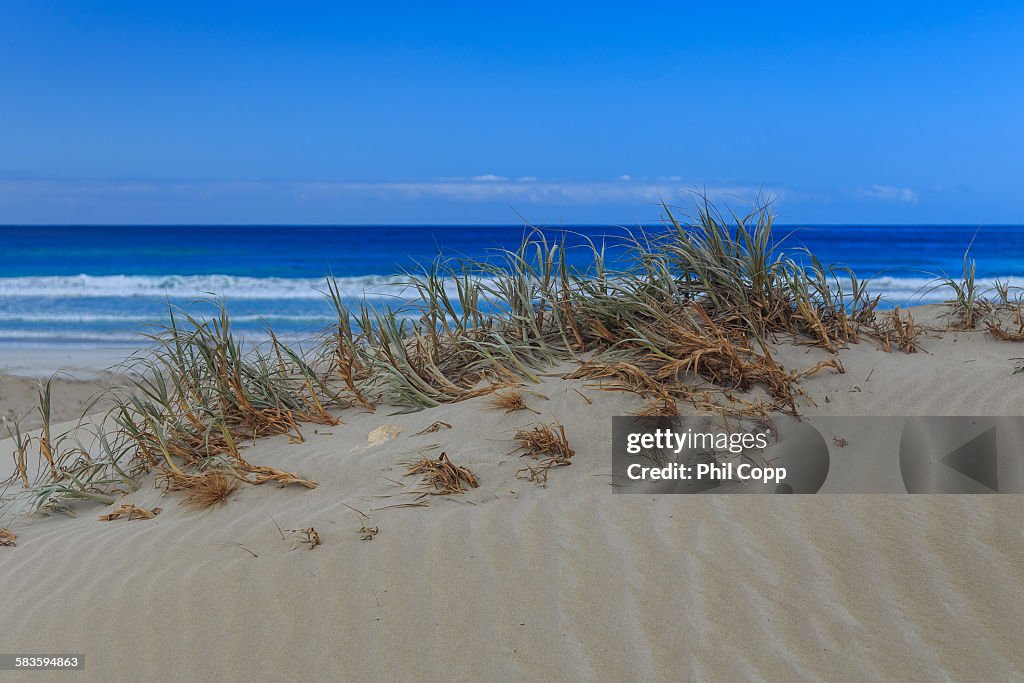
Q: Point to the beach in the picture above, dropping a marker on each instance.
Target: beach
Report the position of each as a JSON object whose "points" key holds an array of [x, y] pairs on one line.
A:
{"points": [[562, 581], [364, 342]]}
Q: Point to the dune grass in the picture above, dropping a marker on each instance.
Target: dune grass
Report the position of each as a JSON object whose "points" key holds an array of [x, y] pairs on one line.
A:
{"points": [[998, 308], [688, 315]]}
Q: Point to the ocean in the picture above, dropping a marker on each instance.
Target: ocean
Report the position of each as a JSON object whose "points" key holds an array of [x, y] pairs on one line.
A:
{"points": [[100, 286]]}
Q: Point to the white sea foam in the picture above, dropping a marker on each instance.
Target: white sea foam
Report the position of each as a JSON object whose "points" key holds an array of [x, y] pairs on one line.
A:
{"points": [[379, 287], [923, 290], [192, 286], [134, 317]]}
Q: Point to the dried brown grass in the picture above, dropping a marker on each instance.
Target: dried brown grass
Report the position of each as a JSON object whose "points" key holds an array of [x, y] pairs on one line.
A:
{"points": [[130, 512], [510, 400], [1004, 334], [204, 490], [7, 538], [546, 443], [681, 341], [662, 406], [442, 475], [630, 377], [1015, 314], [261, 474], [893, 329]]}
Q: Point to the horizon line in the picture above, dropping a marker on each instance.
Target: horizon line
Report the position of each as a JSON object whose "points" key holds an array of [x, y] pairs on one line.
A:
{"points": [[488, 225]]}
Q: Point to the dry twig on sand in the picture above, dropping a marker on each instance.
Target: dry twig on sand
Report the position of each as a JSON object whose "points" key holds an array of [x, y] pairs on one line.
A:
{"points": [[437, 426], [308, 537]]}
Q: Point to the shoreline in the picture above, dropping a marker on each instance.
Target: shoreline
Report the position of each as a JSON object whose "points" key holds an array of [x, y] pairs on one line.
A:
{"points": [[71, 362]]}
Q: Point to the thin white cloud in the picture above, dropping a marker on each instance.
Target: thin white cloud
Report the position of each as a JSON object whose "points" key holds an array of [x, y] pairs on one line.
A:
{"points": [[522, 190], [486, 188], [887, 193]]}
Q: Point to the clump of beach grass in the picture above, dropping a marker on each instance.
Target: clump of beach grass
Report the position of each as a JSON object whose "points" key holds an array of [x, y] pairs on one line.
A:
{"points": [[195, 397], [64, 470], [1007, 321], [896, 329], [701, 299], [998, 308], [441, 476], [545, 440], [968, 304]]}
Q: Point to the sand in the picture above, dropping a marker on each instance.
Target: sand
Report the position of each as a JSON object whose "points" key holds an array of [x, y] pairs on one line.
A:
{"points": [[565, 582]]}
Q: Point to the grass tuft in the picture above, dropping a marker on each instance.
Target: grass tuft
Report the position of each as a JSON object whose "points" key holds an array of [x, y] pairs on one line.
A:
{"points": [[207, 489], [510, 400], [442, 476], [547, 444]]}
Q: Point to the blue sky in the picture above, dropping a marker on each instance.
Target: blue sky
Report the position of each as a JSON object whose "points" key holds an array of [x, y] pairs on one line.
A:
{"points": [[227, 112]]}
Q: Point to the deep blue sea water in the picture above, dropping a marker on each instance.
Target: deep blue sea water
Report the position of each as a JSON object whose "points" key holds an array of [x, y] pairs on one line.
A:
{"points": [[102, 285]]}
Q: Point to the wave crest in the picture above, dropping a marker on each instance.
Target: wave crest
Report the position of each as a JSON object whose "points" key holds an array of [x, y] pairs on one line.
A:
{"points": [[194, 286]]}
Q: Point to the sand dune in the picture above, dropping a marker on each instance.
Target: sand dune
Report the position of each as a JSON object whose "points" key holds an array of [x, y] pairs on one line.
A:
{"points": [[565, 582]]}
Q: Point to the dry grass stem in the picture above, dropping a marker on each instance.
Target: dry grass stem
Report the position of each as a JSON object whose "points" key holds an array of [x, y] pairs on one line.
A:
{"points": [[437, 426], [261, 474]]}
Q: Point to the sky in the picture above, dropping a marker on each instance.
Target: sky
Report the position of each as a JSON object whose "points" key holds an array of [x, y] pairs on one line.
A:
{"points": [[556, 113]]}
